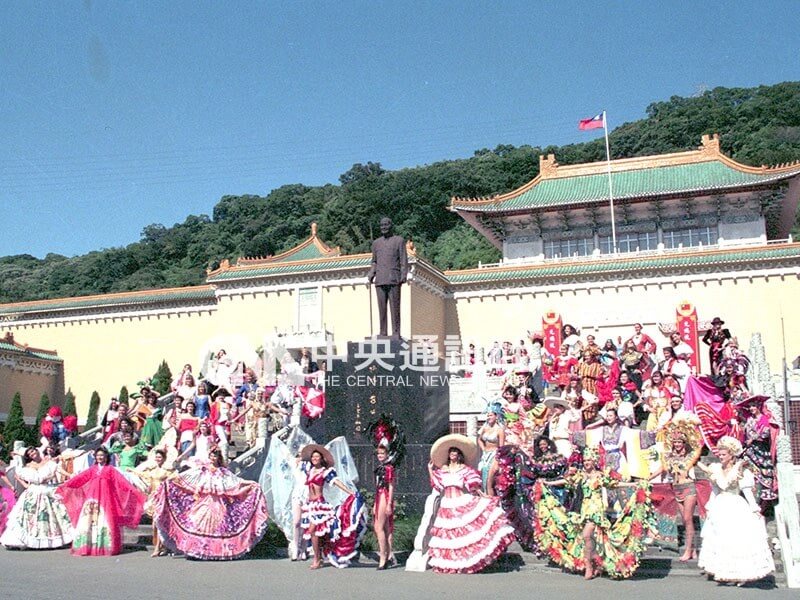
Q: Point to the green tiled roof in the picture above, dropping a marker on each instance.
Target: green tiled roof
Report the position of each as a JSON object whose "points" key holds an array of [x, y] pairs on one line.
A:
{"points": [[133, 298], [282, 268], [637, 183], [40, 355], [595, 267]]}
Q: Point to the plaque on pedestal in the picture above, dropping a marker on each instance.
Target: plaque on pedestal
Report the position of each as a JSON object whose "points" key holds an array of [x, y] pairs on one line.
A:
{"points": [[401, 379]]}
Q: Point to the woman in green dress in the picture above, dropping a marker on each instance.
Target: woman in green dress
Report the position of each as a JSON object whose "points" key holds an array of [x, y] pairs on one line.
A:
{"points": [[129, 454]]}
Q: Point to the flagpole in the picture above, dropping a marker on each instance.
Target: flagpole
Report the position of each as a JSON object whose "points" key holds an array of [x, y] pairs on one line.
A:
{"points": [[610, 188]]}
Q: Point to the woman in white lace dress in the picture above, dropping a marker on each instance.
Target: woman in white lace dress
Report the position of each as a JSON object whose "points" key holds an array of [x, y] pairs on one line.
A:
{"points": [[735, 547]]}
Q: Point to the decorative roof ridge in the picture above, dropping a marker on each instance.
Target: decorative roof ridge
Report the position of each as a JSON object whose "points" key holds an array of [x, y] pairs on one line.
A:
{"points": [[25, 348], [313, 239], [225, 266], [708, 151], [620, 258], [131, 294]]}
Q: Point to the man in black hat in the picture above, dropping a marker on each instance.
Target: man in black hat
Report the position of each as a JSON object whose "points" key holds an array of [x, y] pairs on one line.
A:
{"points": [[388, 272], [716, 338]]}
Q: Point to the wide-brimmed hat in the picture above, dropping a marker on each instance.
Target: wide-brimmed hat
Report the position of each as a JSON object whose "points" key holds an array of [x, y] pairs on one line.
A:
{"points": [[522, 369], [309, 449], [441, 449], [20, 451], [750, 400], [556, 401], [717, 321]]}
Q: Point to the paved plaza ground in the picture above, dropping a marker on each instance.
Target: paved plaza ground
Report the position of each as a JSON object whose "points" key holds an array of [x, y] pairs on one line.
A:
{"points": [[57, 575]]}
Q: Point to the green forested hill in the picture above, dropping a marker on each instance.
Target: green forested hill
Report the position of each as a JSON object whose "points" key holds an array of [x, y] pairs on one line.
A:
{"points": [[757, 126]]}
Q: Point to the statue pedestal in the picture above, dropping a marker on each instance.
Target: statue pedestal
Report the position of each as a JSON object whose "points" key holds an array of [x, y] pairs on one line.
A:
{"points": [[388, 376]]}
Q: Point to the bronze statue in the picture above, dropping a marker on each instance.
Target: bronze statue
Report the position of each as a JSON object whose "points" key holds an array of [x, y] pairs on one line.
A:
{"points": [[388, 272]]}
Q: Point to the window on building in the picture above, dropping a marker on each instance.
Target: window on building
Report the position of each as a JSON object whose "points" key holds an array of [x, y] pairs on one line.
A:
{"points": [[458, 427], [690, 237], [309, 309], [563, 248], [631, 242]]}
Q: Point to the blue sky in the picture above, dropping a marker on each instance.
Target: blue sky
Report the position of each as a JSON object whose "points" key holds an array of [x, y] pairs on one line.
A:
{"points": [[116, 115]]}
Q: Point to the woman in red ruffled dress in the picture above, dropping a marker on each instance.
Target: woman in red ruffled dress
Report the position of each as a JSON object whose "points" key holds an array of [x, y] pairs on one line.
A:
{"points": [[467, 534], [100, 502]]}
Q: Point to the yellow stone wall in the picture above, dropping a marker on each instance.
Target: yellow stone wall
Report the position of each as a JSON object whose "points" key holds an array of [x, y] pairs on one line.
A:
{"points": [[254, 315], [105, 353], [30, 386], [345, 312], [429, 314]]}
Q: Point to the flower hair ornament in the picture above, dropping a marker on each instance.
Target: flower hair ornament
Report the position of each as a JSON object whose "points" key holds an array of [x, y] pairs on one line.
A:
{"points": [[592, 454], [386, 433]]}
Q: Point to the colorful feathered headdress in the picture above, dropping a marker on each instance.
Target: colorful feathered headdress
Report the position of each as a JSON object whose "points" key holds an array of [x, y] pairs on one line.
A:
{"points": [[386, 433]]}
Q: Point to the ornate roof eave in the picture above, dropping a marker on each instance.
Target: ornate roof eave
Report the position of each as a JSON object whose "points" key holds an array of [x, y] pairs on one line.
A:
{"points": [[630, 199], [289, 268], [617, 267], [140, 298], [708, 151], [10, 346], [313, 243]]}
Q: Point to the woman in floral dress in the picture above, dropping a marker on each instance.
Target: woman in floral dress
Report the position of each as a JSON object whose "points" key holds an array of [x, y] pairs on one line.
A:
{"points": [[39, 519], [760, 432], [209, 513], [586, 540]]}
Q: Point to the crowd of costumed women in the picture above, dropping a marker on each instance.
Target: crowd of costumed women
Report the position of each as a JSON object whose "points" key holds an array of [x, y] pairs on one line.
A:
{"points": [[585, 459], [170, 465], [599, 451]]}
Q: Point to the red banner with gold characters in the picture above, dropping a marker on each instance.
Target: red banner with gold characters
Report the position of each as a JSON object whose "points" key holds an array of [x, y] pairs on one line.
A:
{"points": [[551, 327], [686, 320]]}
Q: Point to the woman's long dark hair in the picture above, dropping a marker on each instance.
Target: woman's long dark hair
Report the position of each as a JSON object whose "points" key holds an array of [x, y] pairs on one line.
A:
{"points": [[551, 446], [460, 454], [322, 461], [26, 457]]}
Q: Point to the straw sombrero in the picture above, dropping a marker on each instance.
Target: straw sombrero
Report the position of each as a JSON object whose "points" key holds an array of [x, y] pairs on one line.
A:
{"points": [[556, 401], [309, 449], [442, 446]]}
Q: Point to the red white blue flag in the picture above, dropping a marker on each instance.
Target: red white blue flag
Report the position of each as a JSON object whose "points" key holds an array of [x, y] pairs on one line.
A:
{"points": [[596, 122]]}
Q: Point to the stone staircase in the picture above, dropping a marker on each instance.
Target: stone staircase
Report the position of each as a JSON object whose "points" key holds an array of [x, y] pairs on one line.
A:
{"points": [[656, 563]]}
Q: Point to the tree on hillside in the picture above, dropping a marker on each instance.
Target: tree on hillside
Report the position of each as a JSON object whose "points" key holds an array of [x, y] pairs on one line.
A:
{"points": [[41, 411], [15, 428], [162, 379], [123, 395], [460, 248], [69, 404], [759, 125], [94, 407]]}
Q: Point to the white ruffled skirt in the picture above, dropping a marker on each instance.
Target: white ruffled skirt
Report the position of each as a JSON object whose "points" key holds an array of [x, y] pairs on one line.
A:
{"points": [[735, 546]]}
